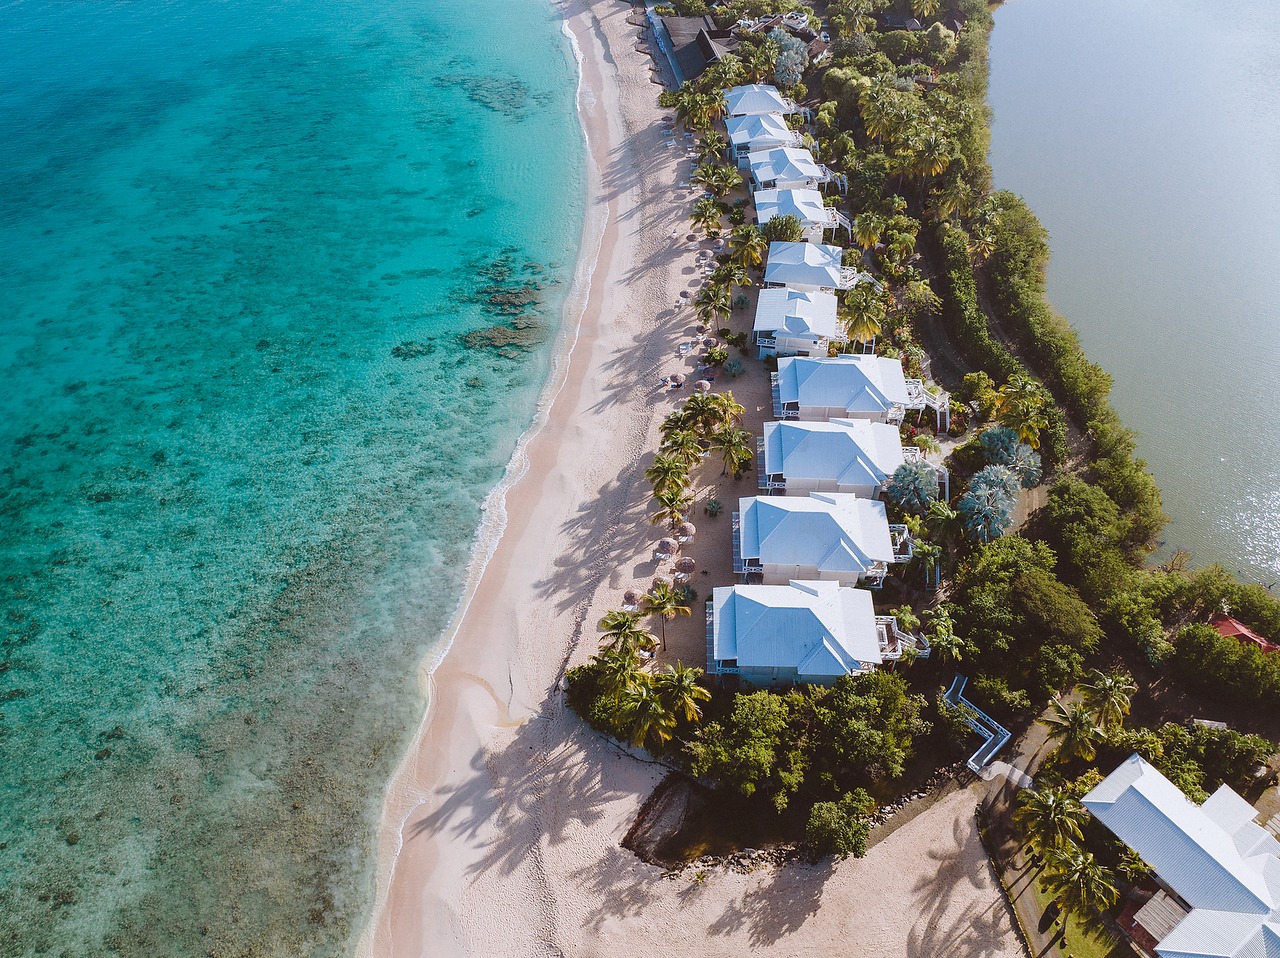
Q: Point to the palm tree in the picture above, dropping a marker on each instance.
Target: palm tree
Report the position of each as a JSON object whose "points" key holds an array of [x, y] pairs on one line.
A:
{"points": [[1021, 406], [647, 715], [731, 274], [1106, 696], [986, 512], [928, 554], [982, 243], [926, 443], [683, 445], [666, 603], [1074, 728], [680, 692], [736, 450], [730, 409], [747, 246], [618, 670], [667, 472], [939, 514], [673, 506], [713, 302], [942, 635], [622, 631], [865, 313], [724, 180], [932, 154], [1079, 884], [706, 214], [1049, 818], [867, 228], [711, 147], [913, 486]]}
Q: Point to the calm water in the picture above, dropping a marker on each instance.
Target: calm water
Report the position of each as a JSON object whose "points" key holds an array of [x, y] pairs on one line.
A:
{"points": [[244, 449], [1146, 136]]}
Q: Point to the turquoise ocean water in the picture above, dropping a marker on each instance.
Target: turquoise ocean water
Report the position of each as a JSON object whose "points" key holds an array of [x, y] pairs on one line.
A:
{"points": [[245, 436]]}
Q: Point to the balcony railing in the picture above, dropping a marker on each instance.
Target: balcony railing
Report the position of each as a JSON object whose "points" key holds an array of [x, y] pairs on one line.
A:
{"points": [[903, 546]]}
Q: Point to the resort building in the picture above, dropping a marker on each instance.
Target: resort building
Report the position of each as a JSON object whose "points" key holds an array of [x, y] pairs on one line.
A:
{"points": [[758, 132], [792, 322], [801, 633], [830, 537], [851, 456], [805, 205], [1219, 870], [691, 43], [787, 168], [755, 98], [817, 389], [809, 266]]}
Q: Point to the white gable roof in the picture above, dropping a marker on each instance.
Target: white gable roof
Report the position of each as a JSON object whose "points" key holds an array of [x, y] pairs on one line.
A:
{"points": [[754, 98], [767, 129], [858, 384], [796, 313], [786, 164], [818, 628], [1213, 855], [852, 452], [804, 264], [836, 532], [806, 205]]}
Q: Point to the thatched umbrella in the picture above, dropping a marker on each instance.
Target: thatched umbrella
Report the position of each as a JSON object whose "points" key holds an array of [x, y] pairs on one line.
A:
{"points": [[677, 378], [686, 532], [660, 580], [631, 600], [702, 386], [666, 548], [686, 565]]}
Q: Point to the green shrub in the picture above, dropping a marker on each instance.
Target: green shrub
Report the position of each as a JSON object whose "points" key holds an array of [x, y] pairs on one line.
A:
{"points": [[841, 828]]}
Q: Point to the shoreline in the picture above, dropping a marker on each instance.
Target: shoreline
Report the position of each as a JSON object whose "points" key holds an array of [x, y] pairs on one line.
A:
{"points": [[501, 828]]}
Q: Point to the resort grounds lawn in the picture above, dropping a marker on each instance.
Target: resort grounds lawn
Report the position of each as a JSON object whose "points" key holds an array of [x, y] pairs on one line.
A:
{"points": [[1080, 943]]}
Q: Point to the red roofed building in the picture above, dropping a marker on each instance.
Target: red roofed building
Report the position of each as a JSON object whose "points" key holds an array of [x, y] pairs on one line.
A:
{"points": [[1232, 629]]}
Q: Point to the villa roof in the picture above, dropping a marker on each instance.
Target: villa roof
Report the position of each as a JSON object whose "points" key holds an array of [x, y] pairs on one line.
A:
{"points": [[818, 628], [785, 164], [857, 384], [805, 205], [1234, 629], [798, 314], [764, 128], [1214, 856], [755, 98], [851, 452], [805, 264], [837, 533]]}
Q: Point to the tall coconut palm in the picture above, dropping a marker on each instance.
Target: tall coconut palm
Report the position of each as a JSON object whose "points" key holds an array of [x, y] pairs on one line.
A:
{"points": [[926, 442], [927, 554], [731, 274], [867, 228], [864, 313], [666, 603], [1021, 406], [925, 8], [618, 670], [706, 214], [673, 505], [747, 246], [948, 646], [1049, 818], [1074, 728], [621, 630], [982, 243], [932, 154], [678, 687], [736, 449], [683, 445], [667, 472], [650, 721], [724, 180], [713, 303], [711, 146], [1079, 884], [728, 407], [1107, 697]]}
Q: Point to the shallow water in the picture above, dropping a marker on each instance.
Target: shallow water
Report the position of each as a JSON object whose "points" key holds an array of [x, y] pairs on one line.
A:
{"points": [[1146, 136], [244, 445]]}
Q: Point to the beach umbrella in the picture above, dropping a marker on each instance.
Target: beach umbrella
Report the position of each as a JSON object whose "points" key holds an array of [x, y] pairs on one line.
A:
{"points": [[692, 237], [660, 580], [631, 599], [686, 565], [686, 531], [685, 294], [677, 379], [702, 386], [666, 548]]}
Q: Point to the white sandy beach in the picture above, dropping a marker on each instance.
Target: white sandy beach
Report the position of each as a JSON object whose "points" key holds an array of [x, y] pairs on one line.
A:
{"points": [[501, 830]]}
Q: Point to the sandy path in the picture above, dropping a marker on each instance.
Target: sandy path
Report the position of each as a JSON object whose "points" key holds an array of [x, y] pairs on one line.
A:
{"points": [[501, 829]]}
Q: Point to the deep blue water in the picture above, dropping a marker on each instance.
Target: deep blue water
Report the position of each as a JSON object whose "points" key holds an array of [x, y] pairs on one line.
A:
{"points": [[243, 437]]}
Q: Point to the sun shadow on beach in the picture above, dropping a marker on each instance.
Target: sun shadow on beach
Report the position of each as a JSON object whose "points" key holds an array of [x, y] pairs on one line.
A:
{"points": [[533, 791], [778, 906]]}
